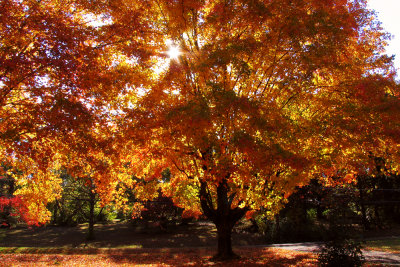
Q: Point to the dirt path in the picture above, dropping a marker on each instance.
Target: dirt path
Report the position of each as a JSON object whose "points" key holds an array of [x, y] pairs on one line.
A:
{"points": [[372, 256]]}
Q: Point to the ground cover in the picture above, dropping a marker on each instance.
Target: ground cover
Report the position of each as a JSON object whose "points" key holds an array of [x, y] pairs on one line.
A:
{"points": [[388, 245], [157, 257], [147, 245], [140, 245], [123, 235]]}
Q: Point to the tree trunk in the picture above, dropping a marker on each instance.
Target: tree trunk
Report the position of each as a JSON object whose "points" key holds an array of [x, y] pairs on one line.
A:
{"points": [[224, 234], [277, 232], [223, 216], [92, 203], [55, 214], [320, 214], [362, 205], [378, 217]]}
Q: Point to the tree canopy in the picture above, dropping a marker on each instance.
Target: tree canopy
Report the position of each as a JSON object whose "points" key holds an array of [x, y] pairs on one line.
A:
{"points": [[243, 100], [57, 81], [264, 96]]}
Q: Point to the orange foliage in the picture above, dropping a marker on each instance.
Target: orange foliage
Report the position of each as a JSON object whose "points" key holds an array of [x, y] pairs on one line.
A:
{"points": [[161, 257], [264, 96]]}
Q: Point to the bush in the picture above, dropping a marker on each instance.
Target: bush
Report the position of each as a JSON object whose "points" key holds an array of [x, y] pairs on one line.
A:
{"points": [[341, 253]]}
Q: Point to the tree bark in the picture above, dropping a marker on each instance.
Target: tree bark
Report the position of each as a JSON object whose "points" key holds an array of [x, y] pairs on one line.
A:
{"points": [[362, 205], [92, 203], [224, 235], [320, 210], [223, 216], [55, 214], [277, 230]]}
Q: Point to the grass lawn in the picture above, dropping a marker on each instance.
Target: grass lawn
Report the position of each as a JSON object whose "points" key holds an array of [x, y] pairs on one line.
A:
{"points": [[150, 257], [120, 244], [389, 245], [123, 245]]}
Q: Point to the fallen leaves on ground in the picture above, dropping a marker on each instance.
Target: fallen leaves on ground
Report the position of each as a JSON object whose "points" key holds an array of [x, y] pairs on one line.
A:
{"points": [[158, 257]]}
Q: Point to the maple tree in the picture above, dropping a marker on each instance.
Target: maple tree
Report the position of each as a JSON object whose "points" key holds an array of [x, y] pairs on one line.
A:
{"points": [[38, 60], [57, 82], [263, 96]]}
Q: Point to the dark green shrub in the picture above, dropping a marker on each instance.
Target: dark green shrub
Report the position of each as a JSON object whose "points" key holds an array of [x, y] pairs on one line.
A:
{"points": [[341, 253]]}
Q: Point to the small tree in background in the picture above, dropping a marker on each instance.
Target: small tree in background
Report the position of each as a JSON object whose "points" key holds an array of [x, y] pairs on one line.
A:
{"points": [[7, 188], [79, 203]]}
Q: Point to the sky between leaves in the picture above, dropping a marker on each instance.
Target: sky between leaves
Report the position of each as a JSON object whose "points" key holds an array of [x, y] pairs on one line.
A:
{"points": [[388, 15]]}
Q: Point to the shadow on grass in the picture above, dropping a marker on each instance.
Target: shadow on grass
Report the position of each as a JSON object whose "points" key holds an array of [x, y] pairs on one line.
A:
{"points": [[112, 236]]}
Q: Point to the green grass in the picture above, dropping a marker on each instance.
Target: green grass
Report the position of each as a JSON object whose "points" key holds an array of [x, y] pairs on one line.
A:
{"points": [[52, 250], [65, 250], [27, 250], [390, 245]]}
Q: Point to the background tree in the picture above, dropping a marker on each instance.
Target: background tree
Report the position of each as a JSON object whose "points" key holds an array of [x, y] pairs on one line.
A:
{"points": [[79, 203], [41, 54], [7, 188], [59, 75]]}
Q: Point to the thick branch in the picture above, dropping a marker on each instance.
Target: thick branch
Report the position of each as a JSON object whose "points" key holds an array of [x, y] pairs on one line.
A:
{"points": [[206, 202]]}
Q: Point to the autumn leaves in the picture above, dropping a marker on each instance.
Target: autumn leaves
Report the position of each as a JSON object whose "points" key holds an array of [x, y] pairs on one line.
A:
{"points": [[258, 96]]}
